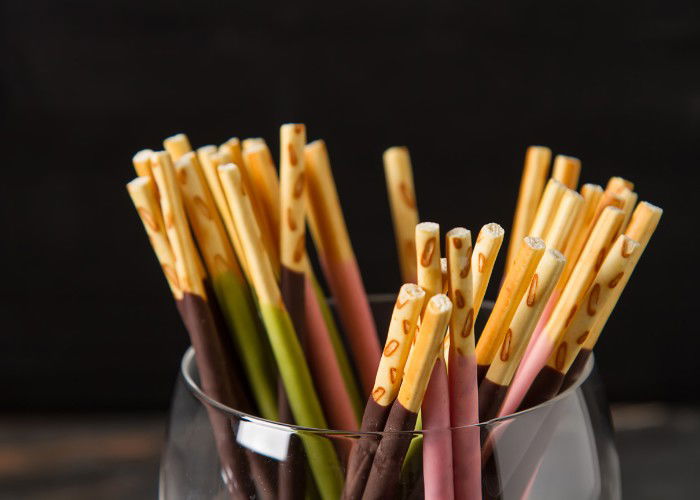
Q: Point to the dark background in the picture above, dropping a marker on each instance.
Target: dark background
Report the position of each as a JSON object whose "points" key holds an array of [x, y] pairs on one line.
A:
{"points": [[87, 319]]}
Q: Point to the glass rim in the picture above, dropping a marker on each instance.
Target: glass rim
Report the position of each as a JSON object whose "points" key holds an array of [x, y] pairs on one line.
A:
{"points": [[188, 360]]}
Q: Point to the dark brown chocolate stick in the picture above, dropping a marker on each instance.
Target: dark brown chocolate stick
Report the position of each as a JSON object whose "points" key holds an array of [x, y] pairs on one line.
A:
{"points": [[387, 384], [491, 395], [384, 477], [383, 481], [576, 369], [292, 477], [481, 371], [217, 382], [545, 386], [364, 450]]}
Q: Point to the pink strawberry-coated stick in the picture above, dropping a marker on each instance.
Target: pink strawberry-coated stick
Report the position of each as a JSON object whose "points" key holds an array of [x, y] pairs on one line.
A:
{"points": [[356, 316], [540, 324], [464, 411], [437, 441], [527, 371], [324, 366]]}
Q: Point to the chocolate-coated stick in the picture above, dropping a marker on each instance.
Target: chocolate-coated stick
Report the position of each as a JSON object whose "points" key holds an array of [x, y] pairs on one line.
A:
{"points": [[399, 339], [386, 468]]}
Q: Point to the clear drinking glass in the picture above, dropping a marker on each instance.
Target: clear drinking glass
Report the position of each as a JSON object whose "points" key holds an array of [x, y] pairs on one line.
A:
{"points": [[562, 449]]}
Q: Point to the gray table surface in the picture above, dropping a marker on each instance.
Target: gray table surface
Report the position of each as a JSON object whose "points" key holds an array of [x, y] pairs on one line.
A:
{"points": [[116, 457]]}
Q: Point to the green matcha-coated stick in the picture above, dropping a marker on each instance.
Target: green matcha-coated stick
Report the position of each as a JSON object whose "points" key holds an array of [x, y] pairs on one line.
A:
{"points": [[303, 400], [339, 348], [237, 305]]}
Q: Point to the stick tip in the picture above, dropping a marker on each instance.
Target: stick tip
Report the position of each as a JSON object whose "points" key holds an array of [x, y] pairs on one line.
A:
{"points": [[651, 207], [143, 155], [493, 230], [458, 232], [410, 291], [534, 243], [138, 182], [556, 255], [428, 227], [440, 303]]}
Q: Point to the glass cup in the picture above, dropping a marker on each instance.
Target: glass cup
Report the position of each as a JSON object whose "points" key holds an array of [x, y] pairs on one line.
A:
{"points": [[562, 449]]}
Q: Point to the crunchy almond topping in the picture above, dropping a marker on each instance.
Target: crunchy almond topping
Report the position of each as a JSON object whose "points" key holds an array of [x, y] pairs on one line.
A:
{"points": [[391, 347], [202, 207], [299, 186], [148, 219], [378, 393], [459, 299], [482, 262], [593, 300], [505, 347], [468, 324], [613, 282], [406, 195], [293, 160], [290, 219], [428, 251], [532, 291], [600, 259], [300, 248], [628, 247], [571, 316], [561, 357]]}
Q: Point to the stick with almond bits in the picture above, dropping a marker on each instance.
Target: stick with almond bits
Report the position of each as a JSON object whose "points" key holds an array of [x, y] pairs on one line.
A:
{"points": [[601, 237], [229, 285], [534, 176], [558, 233], [384, 477], [493, 388], [399, 339], [339, 264], [488, 243], [325, 346], [293, 369], [171, 246], [462, 366], [437, 441], [566, 170], [404, 213], [513, 289], [292, 245], [600, 297], [591, 193], [209, 165], [541, 347], [642, 225], [547, 208]]}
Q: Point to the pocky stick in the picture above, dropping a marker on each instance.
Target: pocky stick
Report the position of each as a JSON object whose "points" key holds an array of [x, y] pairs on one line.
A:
{"points": [[402, 329], [566, 169], [493, 388], [462, 381], [386, 468], [227, 280], [512, 290], [339, 264], [534, 176], [601, 297], [404, 213], [293, 369]]}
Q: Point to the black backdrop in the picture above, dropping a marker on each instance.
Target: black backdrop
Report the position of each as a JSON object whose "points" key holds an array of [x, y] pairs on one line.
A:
{"points": [[87, 319]]}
